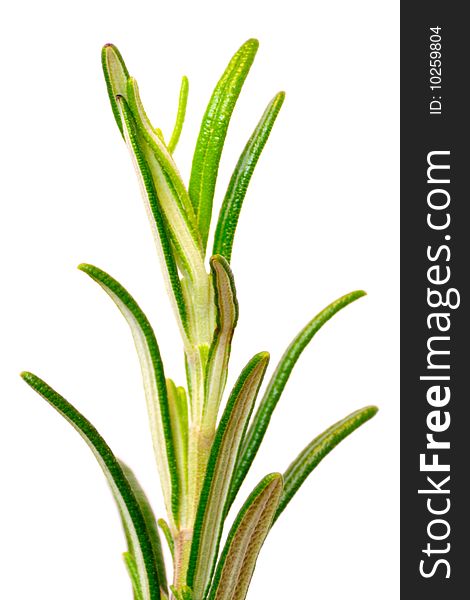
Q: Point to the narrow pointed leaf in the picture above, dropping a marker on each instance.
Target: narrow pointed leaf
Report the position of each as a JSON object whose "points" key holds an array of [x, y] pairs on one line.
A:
{"points": [[118, 82], [182, 103], [150, 522], [212, 134], [131, 566], [226, 320], [149, 156], [170, 173], [133, 99], [276, 386], [154, 383], [316, 451], [210, 513], [236, 192], [167, 207], [127, 503], [157, 221], [167, 533], [160, 135], [179, 425], [238, 559], [116, 76]]}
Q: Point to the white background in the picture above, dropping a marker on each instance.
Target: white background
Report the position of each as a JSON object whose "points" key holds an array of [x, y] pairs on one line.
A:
{"points": [[320, 219]]}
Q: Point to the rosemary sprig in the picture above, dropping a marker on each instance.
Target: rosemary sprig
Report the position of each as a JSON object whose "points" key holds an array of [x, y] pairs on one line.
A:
{"points": [[202, 459]]}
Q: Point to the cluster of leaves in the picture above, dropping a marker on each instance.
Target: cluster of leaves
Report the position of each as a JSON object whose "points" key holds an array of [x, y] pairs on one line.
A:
{"points": [[202, 458]]}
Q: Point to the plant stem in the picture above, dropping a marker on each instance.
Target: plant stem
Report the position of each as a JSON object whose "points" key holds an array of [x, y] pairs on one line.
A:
{"points": [[182, 550], [201, 433]]}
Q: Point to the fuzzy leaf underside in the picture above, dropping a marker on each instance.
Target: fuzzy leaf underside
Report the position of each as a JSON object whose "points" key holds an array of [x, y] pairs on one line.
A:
{"points": [[165, 193], [317, 450], [238, 559], [210, 513], [116, 76], [119, 84], [157, 221], [184, 219], [127, 503], [237, 188], [212, 134], [154, 383], [226, 304], [275, 387], [150, 522]]}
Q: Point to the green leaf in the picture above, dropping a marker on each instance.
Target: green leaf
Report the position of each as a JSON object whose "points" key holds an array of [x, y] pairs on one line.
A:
{"points": [[238, 559], [182, 103], [127, 503], [166, 197], [150, 156], [133, 574], [236, 192], [116, 76], [172, 192], [179, 425], [154, 383], [210, 513], [276, 386], [316, 451], [159, 134], [167, 533], [150, 522], [226, 303], [157, 220], [185, 593], [212, 134]]}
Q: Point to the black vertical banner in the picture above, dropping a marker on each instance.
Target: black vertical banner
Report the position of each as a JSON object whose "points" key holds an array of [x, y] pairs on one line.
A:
{"points": [[435, 271]]}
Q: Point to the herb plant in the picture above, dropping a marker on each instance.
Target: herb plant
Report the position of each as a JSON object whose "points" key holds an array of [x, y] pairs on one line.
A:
{"points": [[202, 458]]}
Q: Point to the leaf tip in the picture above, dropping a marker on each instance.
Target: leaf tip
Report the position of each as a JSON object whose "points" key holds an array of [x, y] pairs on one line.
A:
{"points": [[216, 259], [31, 379], [90, 270], [249, 49], [105, 51], [274, 477], [107, 48], [252, 43], [110, 53], [264, 356], [356, 295], [274, 482], [85, 267], [261, 361]]}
